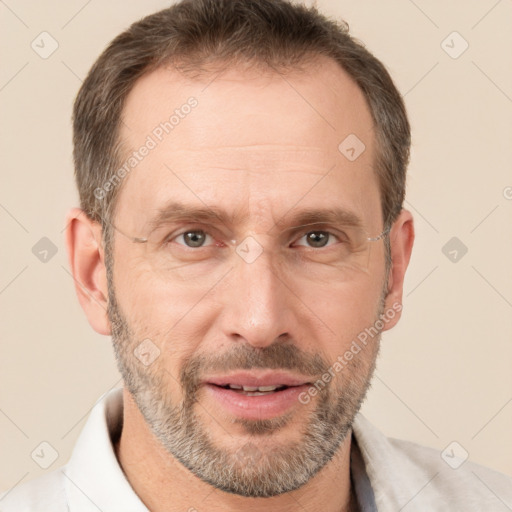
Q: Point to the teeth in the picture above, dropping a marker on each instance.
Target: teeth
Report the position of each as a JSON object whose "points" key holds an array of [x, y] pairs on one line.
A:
{"points": [[252, 389], [267, 388]]}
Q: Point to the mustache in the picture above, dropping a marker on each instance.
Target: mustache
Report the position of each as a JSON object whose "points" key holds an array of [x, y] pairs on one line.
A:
{"points": [[278, 356]]}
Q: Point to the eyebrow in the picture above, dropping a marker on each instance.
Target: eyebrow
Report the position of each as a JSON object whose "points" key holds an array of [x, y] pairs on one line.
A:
{"points": [[310, 216], [179, 212]]}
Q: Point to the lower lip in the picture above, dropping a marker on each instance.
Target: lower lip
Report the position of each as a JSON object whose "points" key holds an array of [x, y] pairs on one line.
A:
{"points": [[256, 407]]}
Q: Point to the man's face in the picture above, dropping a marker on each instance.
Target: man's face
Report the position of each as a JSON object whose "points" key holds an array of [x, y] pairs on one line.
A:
{"points": [[247, 298]]}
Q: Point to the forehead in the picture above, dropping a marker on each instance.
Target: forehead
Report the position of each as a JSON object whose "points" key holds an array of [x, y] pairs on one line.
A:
{"points": [[246, 139]]}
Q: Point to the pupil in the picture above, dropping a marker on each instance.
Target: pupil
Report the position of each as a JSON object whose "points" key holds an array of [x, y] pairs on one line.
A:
{"points": [[194, 238], [318, 238]]}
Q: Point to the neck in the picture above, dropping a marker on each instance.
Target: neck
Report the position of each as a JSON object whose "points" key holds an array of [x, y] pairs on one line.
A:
{"points": [[164, 484]]}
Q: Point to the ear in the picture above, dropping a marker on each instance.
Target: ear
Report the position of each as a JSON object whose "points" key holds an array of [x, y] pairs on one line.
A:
{"points": [[87, 263], [401, 238]]}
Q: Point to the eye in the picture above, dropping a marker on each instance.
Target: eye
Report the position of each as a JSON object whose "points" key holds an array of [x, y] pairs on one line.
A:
{"points": [[193, 238], [317, 239]]}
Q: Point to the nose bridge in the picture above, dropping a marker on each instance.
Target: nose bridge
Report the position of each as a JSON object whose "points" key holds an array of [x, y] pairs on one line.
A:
{"points": [[258, 309]]}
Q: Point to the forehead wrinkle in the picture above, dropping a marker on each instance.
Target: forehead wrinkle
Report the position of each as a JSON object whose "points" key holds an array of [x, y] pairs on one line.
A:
{"points": [[253, 158]]}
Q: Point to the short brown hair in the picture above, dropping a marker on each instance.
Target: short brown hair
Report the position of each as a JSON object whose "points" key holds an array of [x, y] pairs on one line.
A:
{"points": [[197, 33]]}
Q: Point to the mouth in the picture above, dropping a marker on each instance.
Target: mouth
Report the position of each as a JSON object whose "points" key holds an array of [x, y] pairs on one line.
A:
{"points": [[256, 394], [254, 390]]}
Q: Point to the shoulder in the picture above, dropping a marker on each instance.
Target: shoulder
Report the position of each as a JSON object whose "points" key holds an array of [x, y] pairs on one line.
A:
{"points": [[407, 475], [39, 495], [456, 477]]}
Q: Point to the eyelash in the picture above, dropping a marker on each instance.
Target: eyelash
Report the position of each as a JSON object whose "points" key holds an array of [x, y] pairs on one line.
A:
{"points": [[172, 238]]}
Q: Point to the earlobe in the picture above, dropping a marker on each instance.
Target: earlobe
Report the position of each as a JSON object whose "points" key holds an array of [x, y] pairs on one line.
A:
{"points": [[401, 239], [86, 261]]}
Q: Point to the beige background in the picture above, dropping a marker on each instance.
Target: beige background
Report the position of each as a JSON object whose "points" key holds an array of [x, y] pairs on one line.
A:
{"points": [[444, 372]]}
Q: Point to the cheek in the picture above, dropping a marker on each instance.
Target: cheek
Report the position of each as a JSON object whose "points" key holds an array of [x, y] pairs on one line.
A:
{"points": [[172, 313], [342, 314]]}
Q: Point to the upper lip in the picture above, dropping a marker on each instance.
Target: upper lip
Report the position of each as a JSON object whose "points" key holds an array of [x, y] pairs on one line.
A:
{"points": [[255, 378]]}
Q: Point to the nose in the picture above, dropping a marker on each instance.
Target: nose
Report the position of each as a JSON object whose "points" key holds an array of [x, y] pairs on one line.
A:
{"points": [[258, 307]]}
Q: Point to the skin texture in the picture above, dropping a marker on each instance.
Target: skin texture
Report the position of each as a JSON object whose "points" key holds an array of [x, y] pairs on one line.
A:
{"points": [[262, 147]]}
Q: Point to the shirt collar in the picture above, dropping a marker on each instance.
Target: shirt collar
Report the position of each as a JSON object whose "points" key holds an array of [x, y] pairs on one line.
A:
{"points": [[359, 479], [93, 478], [393, 474]]}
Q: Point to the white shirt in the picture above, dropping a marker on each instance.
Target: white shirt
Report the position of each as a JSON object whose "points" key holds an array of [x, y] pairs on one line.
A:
{"points": [[389, 475]]}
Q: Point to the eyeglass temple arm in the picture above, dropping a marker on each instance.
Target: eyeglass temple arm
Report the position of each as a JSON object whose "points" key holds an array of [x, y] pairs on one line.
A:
{"points": [[379, 237]]}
